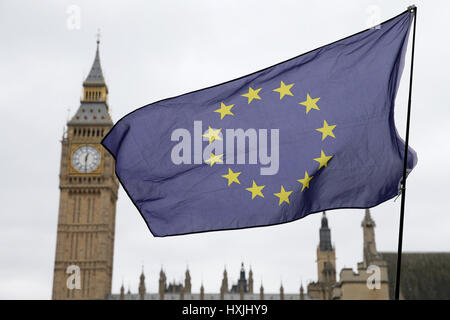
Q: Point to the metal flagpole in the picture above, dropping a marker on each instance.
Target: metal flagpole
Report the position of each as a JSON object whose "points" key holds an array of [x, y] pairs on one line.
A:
{"points": [[413, 10]]}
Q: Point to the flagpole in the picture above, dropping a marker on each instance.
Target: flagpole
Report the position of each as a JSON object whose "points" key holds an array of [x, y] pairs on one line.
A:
{"points": [[413, 10]]}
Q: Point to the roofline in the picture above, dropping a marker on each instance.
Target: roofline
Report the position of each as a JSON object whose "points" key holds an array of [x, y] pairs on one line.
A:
{"points": [[415, 252]]}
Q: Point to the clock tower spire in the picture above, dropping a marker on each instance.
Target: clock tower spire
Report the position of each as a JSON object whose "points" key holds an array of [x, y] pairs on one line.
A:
{"points": [[88, 195]]}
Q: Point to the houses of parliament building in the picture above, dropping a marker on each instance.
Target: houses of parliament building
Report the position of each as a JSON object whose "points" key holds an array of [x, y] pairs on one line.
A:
{"points": [[86, 228]]}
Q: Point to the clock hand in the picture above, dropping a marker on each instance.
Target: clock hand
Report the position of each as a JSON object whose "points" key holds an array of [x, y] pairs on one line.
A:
{"points": [[85, 162]]}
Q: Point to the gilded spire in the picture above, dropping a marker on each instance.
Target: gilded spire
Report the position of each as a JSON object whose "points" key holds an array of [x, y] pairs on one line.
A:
{"points": [[95, 76], [94, 107]]}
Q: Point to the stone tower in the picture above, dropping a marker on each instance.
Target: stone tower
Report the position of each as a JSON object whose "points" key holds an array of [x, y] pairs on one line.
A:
{"points": [[142, 289], [242, 282], [370, 253], [122, 292], [224, 285], [88, 195], [326, 265], [250, 281], [261, 292], [326, 258], [371, 281], [302, 292], [162, 284], [281, 292], [202, 292], [187, 282]]}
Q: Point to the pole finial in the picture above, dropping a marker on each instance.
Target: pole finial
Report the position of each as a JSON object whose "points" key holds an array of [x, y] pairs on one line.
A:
{"points": [[412, 8]]}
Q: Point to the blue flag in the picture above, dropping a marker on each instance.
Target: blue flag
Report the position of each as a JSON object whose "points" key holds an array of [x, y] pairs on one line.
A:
{"points": [[313, 133]]}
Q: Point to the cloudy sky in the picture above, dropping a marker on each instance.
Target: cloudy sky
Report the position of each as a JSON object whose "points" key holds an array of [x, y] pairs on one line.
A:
{"points": [[156, 49]]}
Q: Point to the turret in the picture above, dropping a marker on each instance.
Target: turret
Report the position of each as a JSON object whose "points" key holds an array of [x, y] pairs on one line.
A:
{"points": [[94, 87], [326, 259], [250, 280], [224, 285], [281, 292], [187, 281], [142, 285], [94, 108], [242, 279], [261, 292], [325, 235], [162, 284], [202, 292], [370, 253], [182, 293], [122, 292], [326, 263]]}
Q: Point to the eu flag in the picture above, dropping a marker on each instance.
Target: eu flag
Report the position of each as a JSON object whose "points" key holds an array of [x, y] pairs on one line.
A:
{"points": [[313, 133]]}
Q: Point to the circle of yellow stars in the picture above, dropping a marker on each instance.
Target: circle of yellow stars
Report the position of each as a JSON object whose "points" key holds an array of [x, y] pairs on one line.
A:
{"points": [[257, 190]]}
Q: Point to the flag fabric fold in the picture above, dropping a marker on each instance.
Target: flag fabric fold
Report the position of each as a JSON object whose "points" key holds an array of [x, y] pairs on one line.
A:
{"points": [[313, 133]]}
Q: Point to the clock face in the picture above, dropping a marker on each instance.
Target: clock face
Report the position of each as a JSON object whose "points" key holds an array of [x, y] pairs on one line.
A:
{"points": [[86, 159]]}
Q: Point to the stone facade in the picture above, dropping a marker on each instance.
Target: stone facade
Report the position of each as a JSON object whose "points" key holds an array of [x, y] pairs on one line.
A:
{"points": [[87, 206], [241, 290]]}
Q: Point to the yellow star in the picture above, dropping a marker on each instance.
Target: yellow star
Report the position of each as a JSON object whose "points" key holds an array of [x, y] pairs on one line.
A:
{"points": [[255, 190], [224, 110], [212, 134], [252, 94], [283, 195], [305, 181], [214, 159], [310, 103], [326, 130], [232, 176], [323, 160], [284, 89]]}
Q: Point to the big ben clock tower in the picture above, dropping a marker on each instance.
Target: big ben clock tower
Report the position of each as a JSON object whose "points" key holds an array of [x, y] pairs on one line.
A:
{"points": [[87, 206]]}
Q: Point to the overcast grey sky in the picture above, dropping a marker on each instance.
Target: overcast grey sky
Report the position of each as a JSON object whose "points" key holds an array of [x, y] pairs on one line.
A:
{"points": [[156, 49]]}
